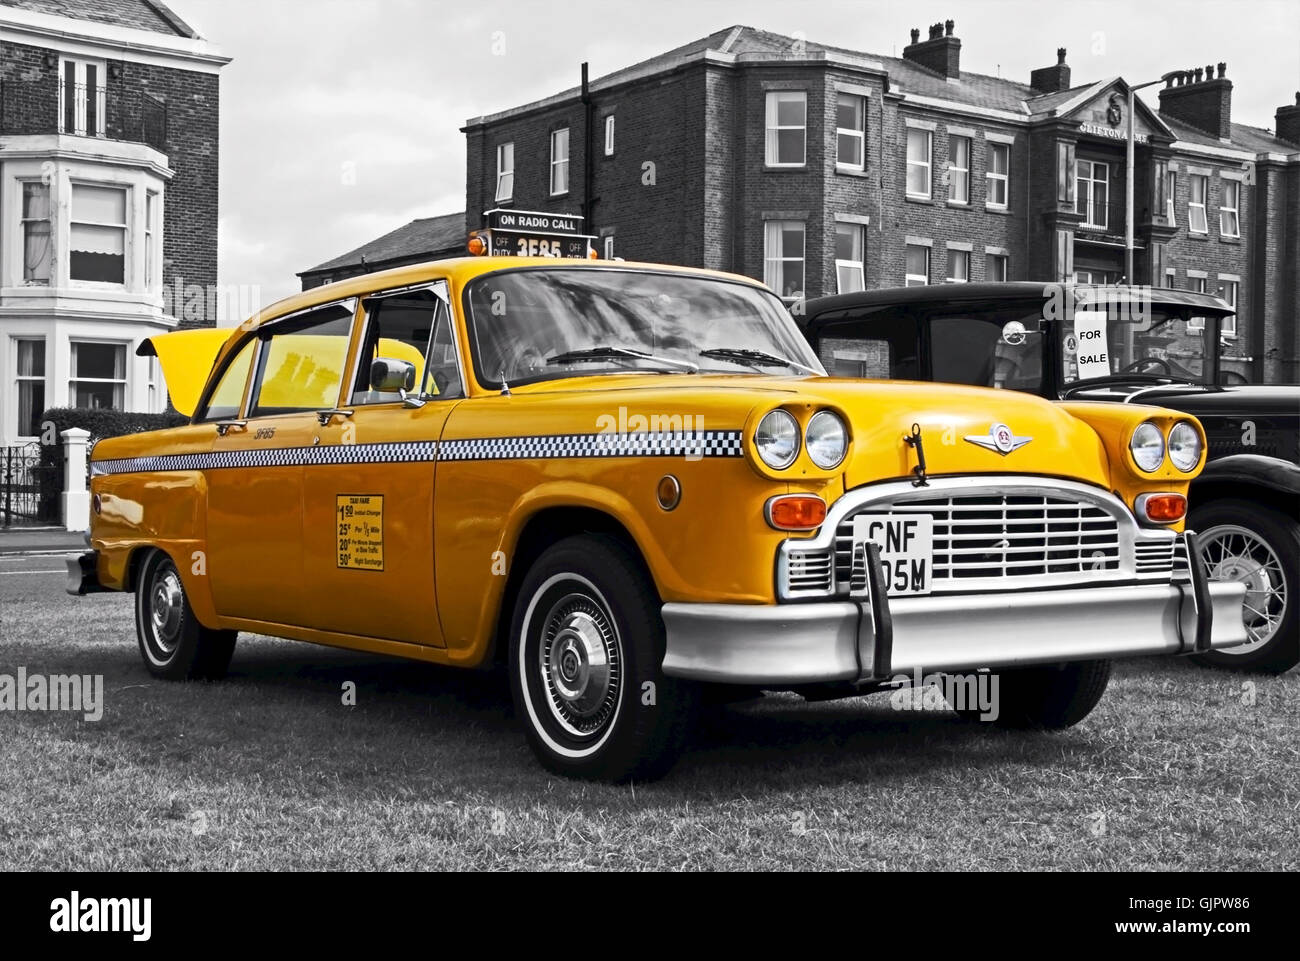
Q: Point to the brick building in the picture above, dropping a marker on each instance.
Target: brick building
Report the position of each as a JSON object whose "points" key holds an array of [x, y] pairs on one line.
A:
{"points": [[108, 200], [821, 169]]}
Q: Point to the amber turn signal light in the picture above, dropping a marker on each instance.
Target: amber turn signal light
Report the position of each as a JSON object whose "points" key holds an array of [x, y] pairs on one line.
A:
{"points": [[796, 512], [477, 246], [1162, 508]]}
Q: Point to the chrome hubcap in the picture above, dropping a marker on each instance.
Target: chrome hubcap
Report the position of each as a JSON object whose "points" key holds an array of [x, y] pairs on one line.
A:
{"points": [[1234, 553], [580, 664], [166, 611]]}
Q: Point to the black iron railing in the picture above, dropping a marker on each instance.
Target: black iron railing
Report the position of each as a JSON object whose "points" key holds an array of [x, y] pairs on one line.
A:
{"points": [[1102, 218], [31, 480], [49, 105]]}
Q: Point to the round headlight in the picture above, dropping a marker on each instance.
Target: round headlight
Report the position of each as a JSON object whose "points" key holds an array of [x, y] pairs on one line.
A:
{"points": [[827, 439], [1184, 446], [777, 439], [1148, 446]]}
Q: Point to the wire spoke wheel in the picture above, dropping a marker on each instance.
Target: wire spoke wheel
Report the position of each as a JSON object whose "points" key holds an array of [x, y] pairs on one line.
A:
{"points": [[1235, 553]]}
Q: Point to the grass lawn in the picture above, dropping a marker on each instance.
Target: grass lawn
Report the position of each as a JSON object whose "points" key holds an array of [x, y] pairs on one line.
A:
{"points": [[1176, 769]]}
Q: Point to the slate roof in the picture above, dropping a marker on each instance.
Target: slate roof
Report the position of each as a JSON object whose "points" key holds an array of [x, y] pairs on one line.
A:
{"points": [[426, 236], [972, 89], [151, 15]]}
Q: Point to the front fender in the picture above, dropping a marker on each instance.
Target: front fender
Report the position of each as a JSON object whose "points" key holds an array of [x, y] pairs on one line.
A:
{"points": [[1272, 473]]}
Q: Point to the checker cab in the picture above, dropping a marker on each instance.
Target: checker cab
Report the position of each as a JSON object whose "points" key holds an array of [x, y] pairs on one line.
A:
{"points": [[634, 487]]}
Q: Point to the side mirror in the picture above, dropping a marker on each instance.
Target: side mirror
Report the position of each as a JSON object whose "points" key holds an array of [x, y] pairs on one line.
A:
{"points": [[389, 376]]}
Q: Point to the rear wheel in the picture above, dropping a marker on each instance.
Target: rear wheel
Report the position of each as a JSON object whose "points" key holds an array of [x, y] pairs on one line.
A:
{"points": [[173, 644], [1049, 696], [1259, 547], [586, 645]]}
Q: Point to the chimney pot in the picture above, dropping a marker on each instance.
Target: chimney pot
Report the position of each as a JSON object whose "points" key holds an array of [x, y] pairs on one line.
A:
{"points": [[1223, 69], [916, 35], [948, 26], [1060, 55], [1209, 71]]}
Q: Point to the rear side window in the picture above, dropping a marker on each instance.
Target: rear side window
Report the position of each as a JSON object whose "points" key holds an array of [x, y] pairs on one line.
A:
{"points": [[301, 364], [875, 346], [228, 398], [996, 349]]}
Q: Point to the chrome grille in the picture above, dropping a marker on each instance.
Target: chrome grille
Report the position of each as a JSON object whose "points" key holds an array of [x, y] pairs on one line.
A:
{"points": [[808, 571], [1003, 536]]}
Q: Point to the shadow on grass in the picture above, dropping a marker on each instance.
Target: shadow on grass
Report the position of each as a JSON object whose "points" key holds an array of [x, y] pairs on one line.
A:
{"points": [[282, 703]]}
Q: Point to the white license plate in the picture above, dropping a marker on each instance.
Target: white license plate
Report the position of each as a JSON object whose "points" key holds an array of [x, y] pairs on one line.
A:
{"points": [[906, 543]]}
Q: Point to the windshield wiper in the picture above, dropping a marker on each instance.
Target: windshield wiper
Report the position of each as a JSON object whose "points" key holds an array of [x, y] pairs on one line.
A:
{"points": [[758, 358], [611, 352]]}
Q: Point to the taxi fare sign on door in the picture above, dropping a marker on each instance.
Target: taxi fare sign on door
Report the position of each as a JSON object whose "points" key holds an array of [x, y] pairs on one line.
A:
{"points": [[359, 526]]}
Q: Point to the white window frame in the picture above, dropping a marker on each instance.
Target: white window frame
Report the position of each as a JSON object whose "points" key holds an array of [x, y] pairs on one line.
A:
{"points": [[916, 280], [1199, 283], [1171, 190], [927, 164], [1193, 206], [81, 115], [559, 165], [152, 201], [608, 245], [775, 262], [772, 150], [19, 379], [74, 380], [857, 264], [992, 177], [1229, 326], [609, 135], [1232, 210], [957, 174], [860, 135], [23, 223], [126, 228], [505, 174], [956, 254], [1085, 192]]}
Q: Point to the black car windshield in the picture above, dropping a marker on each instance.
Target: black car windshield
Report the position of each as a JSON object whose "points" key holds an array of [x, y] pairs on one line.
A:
{"points": [[1112, 342], [534, 324]]}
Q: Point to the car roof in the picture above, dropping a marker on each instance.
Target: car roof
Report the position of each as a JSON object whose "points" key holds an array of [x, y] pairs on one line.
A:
{"points": [[459, 270], [940, 295]]}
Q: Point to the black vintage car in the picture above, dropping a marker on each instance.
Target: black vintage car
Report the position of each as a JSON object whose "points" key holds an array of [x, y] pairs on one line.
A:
{"points": [[1121, 345]]}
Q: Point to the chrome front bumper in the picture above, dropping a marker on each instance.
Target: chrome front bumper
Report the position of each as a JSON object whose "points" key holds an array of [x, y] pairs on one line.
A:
{"points": [[795, 644]]}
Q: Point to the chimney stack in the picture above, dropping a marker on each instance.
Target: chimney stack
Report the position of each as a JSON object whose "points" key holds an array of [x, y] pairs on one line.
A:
{"points": [[941, 52], [1288, 121], [1199, 98], [1052, 79]]}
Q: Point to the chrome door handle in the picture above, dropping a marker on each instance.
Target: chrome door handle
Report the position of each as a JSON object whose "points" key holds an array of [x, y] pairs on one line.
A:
{"points": [[325, 416], [224, 427]]}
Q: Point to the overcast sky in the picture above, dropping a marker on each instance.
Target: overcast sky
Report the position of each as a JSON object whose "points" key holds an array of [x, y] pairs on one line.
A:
{"points": [[340, 118]]}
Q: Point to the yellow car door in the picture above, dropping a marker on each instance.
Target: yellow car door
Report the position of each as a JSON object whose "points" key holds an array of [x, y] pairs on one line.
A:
{"points": [[255, 484], [368, 501]]}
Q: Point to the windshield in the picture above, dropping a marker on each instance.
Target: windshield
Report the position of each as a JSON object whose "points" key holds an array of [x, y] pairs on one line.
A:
{"points": [[1115, 342], [536, 324]]}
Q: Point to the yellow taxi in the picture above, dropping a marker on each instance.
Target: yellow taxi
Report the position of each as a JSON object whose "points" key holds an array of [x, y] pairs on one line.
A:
{"points": [[635, 487]]}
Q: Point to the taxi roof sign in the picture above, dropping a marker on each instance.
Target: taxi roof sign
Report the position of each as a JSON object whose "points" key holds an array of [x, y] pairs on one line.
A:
{"points": [[531, 233]]}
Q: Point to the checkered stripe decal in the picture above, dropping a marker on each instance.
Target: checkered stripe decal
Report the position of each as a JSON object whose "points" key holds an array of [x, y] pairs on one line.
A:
{"points": [[714, 443], [710, 443], [400, 453]]}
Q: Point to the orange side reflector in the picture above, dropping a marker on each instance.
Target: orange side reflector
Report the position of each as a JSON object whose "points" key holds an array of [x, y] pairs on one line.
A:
{"points": [[796, 512], [1166, 508]]}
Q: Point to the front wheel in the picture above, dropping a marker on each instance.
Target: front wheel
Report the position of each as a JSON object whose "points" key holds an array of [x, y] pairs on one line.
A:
{"points": [[1260, 547], [1048, 697], [173, 644], [586, 645]]}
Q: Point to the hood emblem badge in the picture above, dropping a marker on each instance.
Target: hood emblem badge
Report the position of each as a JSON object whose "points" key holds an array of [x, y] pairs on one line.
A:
{"points": [[999, 439]]}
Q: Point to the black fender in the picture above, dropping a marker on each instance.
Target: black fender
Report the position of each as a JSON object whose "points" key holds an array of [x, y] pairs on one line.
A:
{"points": [[1255, 470]]}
